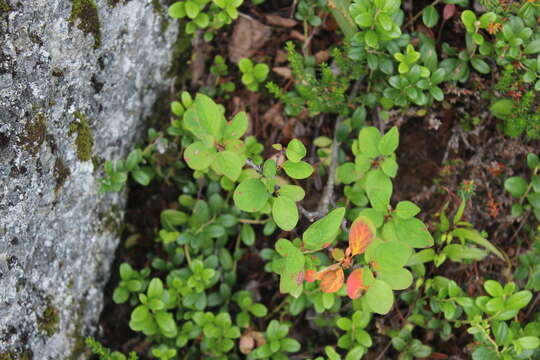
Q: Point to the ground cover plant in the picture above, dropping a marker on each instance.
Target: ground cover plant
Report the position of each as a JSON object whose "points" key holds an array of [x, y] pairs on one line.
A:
{"points": [[360, 181]]}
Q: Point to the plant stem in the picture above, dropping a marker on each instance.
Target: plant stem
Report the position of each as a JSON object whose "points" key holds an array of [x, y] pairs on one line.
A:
{"points": [[253, 221], [186, 252]]}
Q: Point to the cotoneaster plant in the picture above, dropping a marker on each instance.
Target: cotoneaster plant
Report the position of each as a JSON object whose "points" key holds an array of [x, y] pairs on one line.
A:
{"points": [[363, 252]]}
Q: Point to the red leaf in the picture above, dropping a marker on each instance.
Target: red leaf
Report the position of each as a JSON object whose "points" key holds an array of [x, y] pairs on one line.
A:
{"points": [[310, 275], [448, 11], [331, 278], [355, 284], [361, 234]]}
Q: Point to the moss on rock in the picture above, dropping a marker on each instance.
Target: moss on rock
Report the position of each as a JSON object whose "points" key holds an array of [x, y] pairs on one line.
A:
{"points": [[84, 141], [48, 320], [61, 173], [4, 7], [86, 12], [35, 132], [16, 356]]}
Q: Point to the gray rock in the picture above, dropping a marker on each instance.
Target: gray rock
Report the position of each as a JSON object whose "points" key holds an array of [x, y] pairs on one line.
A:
{"points": [[77, 78]]}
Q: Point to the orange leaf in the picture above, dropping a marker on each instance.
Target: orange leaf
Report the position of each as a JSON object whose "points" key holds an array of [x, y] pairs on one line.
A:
{"points": [[361, 234], [331, 278], [310, 275], [355, 284]]}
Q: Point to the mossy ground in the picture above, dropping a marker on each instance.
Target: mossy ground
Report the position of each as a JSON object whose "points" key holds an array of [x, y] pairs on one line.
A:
{"points": [[86, 13], [84, 141]]}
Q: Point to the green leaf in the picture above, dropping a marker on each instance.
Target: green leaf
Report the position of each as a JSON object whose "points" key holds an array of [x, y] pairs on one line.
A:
{"points": [[229, 164], [295, 150], [258, 310], [260, 71], [346, 173], [430, 16], [475, 237], [534, 200], [437, 93], [529, 342], [177, 10], [398, 279], [198, 156], [332, 353], [171, 218], [533, 47], [385, 21], [379, 189], [355, 353], [250, 195], [322, 141], [406, 209], [142, 175], [140, 314], [480, 65], [438, 76], [247, 234], [487, 18], [502, 108], [380, 297], [372, 39], [389, 166], [458, 252], [369, 138], [237, 126], [166, 324], [245, 65], [344, 324], [202, 20], [293, 265], [298, 170], [285, 213], [155, 288], [269, 168], [533, 161], [389, 142], [392, 254], [493, 288], [120, 295], [289, 345], [519, 300], [208, 118], [421, 257], [364, 19], [484, 353], [293, 192], [323, 231], [469, 19], [517, 210], [192, 9], [413, 232]]}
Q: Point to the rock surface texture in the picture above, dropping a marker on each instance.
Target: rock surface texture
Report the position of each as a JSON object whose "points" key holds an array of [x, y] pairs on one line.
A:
{"points": [[77, 80]]}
